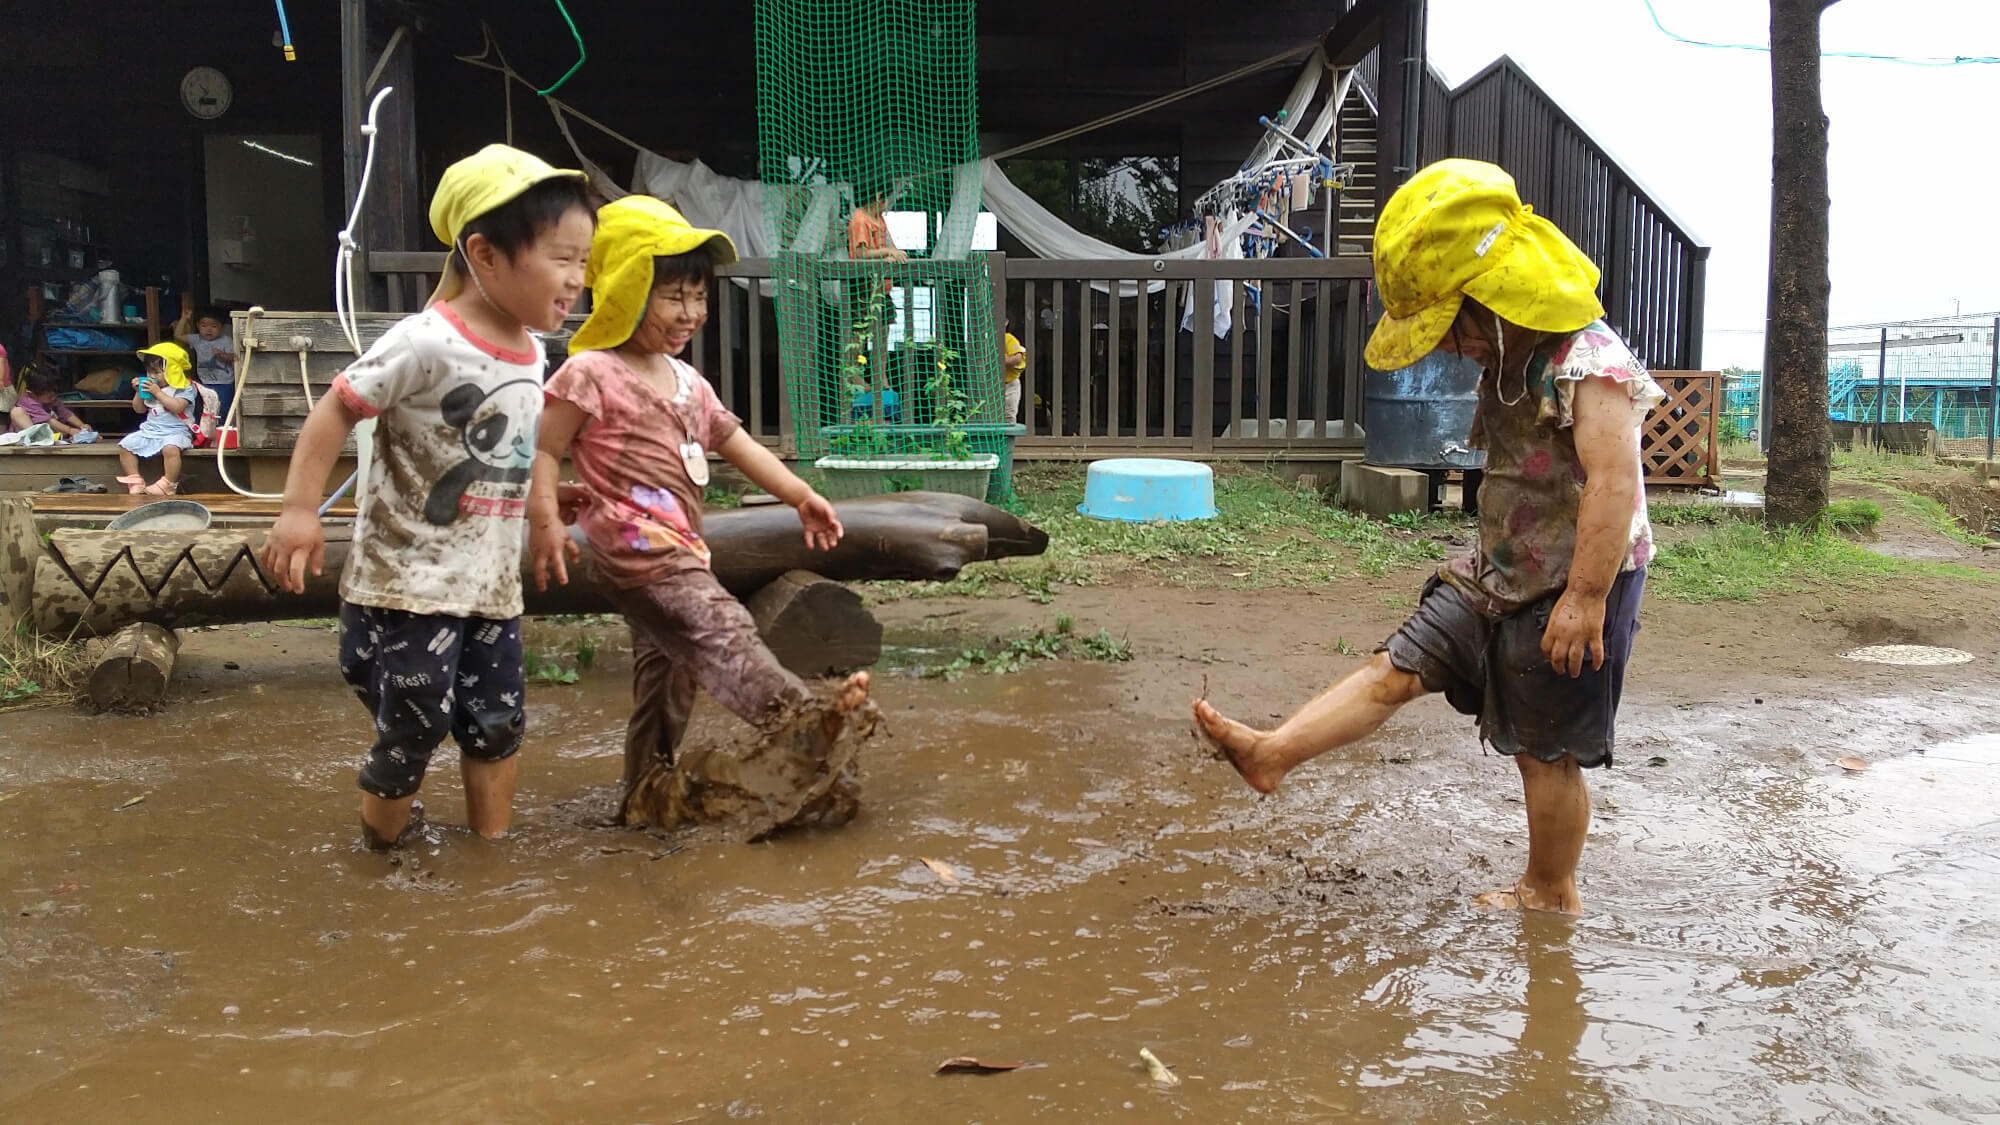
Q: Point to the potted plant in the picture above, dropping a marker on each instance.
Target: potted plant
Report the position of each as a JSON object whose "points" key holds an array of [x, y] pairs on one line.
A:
{"points": [[880, 450]]}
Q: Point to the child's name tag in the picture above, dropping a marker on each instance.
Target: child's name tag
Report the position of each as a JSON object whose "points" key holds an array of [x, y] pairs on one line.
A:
{"points": [[695, 459]]}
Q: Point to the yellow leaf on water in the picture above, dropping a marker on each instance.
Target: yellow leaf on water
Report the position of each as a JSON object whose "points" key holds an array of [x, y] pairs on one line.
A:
{"points": [[136, 800], [1157, 1070], [943, 871], [1851, 765]]}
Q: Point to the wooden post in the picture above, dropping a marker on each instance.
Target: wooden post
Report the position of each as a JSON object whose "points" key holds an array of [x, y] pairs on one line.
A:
{"points": [[815, 626], [132, 672]]}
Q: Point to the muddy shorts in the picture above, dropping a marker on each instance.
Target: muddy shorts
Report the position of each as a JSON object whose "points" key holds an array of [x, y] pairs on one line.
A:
{"points": [[688, 631], [425, 676], [1495, 671]]}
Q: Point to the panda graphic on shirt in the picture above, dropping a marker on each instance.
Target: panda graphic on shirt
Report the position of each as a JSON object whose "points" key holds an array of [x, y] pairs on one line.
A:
{"points": [[496, 428]]}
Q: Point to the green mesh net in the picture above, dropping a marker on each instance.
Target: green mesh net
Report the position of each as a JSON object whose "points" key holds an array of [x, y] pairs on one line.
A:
{"points": [[868, 108]]}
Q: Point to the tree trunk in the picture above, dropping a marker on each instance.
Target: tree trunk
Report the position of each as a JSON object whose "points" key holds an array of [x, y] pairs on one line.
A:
{"points": [[133, 670], [1801, 443], [98, 582], [815, 626]]}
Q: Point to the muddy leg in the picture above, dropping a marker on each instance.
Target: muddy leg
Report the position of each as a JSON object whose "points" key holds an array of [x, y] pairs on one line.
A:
{"points": [[1558, 821], [662, 700], [383, 820], [1347, 711], [489, 793]]}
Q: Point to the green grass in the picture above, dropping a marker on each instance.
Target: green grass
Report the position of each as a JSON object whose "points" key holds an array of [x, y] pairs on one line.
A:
{"points": [[1012, 653], [1852, 515], [1267, 533], [1742, 562]]}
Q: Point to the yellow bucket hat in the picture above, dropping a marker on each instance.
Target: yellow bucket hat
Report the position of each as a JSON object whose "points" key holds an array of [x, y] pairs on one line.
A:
{"points": [[494, 175], [1458, 229], [631, 232], [176, 359]]}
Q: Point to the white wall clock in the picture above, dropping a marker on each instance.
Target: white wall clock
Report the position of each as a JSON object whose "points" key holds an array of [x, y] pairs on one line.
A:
{"points": [[205, 92]]}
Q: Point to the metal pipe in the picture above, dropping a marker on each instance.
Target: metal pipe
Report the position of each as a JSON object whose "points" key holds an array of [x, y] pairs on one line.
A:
{"points": [[1881, 385], [1993, 388]]}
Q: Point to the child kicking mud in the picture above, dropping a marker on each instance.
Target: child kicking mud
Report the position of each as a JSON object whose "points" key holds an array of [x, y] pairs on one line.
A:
{"points": [[1531, 632], [637, 424]]}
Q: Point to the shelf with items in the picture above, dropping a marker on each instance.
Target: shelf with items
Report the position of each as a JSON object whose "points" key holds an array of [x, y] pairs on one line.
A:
{"points": [[69, 364]]}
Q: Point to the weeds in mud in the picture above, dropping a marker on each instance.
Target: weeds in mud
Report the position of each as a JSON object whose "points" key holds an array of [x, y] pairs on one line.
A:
{"points": [[1267, 533], [36, 671], [554, 666], [1011, 654], [1742, 562]]}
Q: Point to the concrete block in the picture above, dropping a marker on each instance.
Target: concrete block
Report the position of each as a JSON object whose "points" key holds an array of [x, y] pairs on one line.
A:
{"points": [[1383, 492]]}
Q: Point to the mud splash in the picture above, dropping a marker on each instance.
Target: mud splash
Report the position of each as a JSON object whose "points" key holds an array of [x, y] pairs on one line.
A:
{"points": [[1769, 939]]}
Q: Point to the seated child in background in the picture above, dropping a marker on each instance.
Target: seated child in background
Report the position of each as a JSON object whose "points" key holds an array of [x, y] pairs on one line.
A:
{"points": [[430, 613], [214, 356], [638, 423], [165, 398], [40, 402]]}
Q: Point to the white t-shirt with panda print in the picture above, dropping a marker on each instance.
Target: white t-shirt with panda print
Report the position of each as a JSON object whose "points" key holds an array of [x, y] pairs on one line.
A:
{"points": [[441, 523]]}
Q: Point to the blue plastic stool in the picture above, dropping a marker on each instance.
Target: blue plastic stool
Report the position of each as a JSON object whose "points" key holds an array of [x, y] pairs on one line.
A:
{"points": [[1144, 489]]}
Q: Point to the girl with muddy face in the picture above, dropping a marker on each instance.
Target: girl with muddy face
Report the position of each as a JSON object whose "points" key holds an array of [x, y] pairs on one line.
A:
{"points": [[1531, 632]]}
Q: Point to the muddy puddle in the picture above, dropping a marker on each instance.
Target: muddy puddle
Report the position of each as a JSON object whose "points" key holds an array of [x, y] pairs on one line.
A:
{"points": [[1770, 939]]}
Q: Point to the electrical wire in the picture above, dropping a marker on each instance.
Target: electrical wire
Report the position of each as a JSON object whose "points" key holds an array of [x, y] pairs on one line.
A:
{"points": [[285, 31], [578, 65], [1933, 61]]}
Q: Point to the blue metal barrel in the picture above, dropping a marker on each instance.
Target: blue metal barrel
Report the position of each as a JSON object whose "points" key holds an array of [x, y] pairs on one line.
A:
{"points": [[1420, 417]]}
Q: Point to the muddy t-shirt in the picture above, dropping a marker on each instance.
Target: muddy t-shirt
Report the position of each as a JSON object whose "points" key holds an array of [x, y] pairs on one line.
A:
{"points": [[641, 507], [1534, 479], [440, 524]]}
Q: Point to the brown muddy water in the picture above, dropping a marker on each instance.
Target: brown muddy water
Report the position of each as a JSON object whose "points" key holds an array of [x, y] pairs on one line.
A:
{"points": [[1769, 939]]}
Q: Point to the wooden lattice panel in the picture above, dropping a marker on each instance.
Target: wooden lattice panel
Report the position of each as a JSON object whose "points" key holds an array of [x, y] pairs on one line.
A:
{"points": [[1677, 443]]}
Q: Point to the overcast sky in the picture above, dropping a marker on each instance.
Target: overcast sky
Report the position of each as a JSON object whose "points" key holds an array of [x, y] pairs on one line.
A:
{"points": [[1914, 163]]}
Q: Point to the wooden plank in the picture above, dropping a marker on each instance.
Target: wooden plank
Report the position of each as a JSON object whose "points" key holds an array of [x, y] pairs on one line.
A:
{"points": [[1234, 423], [1143, 363], [1031, 326], [1264, 318], [1352, 363], [1112, 347], [1322, 362], [1057, 290], [1170, 331], [1204, 366], [725, 331], [754, 355], [1189, 269], [1086, 340], [1294, 331]]}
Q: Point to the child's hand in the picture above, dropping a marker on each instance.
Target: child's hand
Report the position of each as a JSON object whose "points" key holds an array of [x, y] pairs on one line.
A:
{"points": [[550, 545], [822, 524], [296, 543]]}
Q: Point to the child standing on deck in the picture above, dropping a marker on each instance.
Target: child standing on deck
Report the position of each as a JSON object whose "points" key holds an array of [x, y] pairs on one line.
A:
{"points": [[637, 424], [431, 597], [214, 356], [162, 394]]}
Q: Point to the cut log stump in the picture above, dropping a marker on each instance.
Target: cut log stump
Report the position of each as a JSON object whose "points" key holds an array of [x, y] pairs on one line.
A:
{"points": [[134, 669], [815, 626]]}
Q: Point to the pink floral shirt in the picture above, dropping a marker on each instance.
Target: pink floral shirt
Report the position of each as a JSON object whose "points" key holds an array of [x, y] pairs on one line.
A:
{"points": [[1534, 479], [642, 507]]}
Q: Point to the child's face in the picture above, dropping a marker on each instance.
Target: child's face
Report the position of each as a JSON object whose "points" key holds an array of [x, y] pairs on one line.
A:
{"points": [[46, 398], [155, 367], [539, 284], [208, 327], [675, 313]]}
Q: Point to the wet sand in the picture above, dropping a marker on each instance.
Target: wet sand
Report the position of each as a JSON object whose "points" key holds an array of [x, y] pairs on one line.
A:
{"points": [[1767, 938]]}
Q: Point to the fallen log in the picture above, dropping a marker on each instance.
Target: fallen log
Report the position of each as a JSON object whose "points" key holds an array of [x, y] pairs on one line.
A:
{"points": [[815, 626], [133, 670], [97, 582]]}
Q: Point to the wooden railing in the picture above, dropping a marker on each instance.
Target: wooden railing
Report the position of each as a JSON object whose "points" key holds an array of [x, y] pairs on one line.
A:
{"points": [[1284, 381]]}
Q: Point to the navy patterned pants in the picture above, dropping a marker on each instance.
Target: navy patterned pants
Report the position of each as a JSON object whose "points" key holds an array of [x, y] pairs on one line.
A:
{"points": [[424, 677]]}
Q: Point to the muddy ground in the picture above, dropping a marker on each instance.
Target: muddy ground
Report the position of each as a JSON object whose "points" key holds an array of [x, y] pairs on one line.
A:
{"points": [[1767, 937]]}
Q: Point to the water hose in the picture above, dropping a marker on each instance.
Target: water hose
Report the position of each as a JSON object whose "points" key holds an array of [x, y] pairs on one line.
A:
{"points": [[343, 314], [285, 31]]}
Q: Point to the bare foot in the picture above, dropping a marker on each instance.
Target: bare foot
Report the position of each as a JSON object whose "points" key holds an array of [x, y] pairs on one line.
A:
{"points": [[1240, 746], [1519, 897]]}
